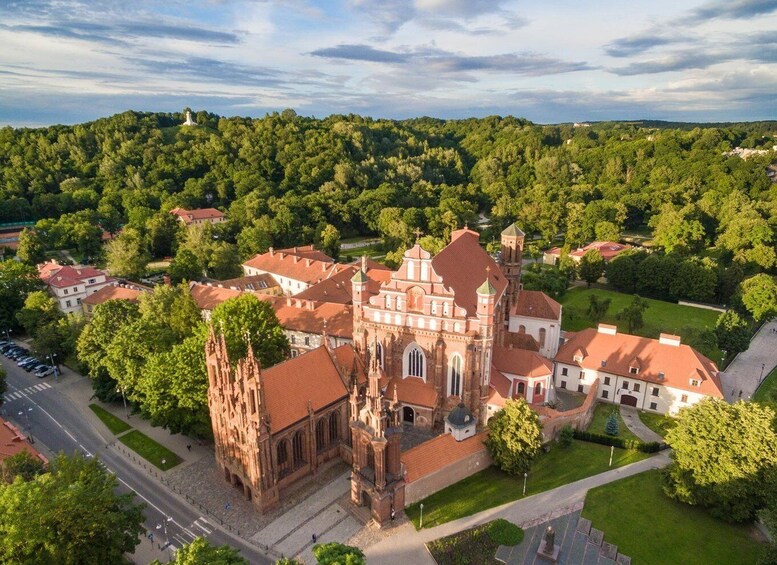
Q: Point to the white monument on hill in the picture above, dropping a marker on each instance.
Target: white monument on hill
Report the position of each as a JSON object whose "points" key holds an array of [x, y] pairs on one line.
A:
{"points": [[189, 121]]}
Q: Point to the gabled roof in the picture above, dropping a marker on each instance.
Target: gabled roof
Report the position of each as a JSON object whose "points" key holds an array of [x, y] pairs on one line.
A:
{"points": [[608, 249], [413, 390], [513, 230], [438, 453], [677, 363], [463, 266], [536, 304], [208, 297], [252, 283], [62, 276], [289, 386], [521, 362], [311, 317], [521, 341], [304, 264], [338, 287], [500, 388], [189, 216], [112, 292]]}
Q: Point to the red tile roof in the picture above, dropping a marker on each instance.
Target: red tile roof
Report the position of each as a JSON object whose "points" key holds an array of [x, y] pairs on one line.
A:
{"points": [[338, 287], [289, 386], [438, 453], [500, 388], [309, 317], [61, 276], [463, 265], [413, 390], [521, 362], [536, 304], [348, 360], [608, 249], [251, 283], [678, 363], [12, 441], [112, 292], [208, 297], [190, 216], [521, 341], [304, 264]]}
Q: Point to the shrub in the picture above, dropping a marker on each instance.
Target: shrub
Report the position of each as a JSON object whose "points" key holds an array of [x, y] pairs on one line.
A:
{"points": [[612, 428], [645, 447], [566, 436], [504, 532]]}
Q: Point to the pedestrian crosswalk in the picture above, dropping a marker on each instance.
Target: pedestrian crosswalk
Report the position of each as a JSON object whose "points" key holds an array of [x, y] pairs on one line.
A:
{"points": [[201, 528], [26, 392]]}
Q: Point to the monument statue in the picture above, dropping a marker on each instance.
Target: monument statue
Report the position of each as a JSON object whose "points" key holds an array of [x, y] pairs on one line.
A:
{"points": [[550, 540]]}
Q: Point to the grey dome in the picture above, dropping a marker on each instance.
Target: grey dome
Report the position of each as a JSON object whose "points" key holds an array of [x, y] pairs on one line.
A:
{"points": [[460, 417]]}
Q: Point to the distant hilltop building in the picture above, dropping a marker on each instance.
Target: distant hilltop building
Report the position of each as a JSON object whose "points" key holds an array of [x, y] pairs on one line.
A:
{"points": [[189, 121], [745, 153], [608, 249], [581, 125]]}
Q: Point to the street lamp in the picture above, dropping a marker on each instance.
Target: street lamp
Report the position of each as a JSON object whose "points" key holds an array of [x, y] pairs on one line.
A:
{"points": [[124, 400], [421, 521], [761, 378], [7, 334], [26, 414], [525, 476], [54, 364]]}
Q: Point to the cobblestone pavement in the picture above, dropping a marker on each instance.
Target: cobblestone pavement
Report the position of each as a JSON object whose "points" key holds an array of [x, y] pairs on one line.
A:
{"points": [[412, 436], [742, 377], [203, 485]]}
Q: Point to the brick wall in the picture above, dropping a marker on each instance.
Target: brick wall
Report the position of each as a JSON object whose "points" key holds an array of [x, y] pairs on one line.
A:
{"points": [[578, 418], [453, 473]]}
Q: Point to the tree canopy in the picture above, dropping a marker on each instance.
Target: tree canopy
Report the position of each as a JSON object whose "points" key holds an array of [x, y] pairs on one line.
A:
{"points": [[514, 437], [201, 552]]}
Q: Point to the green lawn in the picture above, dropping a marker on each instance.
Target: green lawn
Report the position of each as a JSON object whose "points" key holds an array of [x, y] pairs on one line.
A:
{"points": [[666, 317], [116, 425], [657, 422], [477, 545], [646, 525], [491, 487], [768, 388], [599, 421], [150, 450]]}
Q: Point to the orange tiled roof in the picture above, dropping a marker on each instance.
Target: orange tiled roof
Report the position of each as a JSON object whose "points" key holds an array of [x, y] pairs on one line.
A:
{"points": [[615, 354], [500, 388], [521, 362], [208, 297], [112, 292], [347, 359], [536, 304], [413, 390], [521, 341], [289, 386], [251, 283], [309, 317], [463, 265], [338, 287], [12, 442], [304, 264], [189, 216], [435, 454], [54, 274], [608, 249]]}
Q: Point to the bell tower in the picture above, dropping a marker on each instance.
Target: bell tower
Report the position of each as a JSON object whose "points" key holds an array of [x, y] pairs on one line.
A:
{"points": [[511, 257]]}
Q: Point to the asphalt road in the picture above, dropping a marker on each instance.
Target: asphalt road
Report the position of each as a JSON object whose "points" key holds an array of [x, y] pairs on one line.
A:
{"points": [[38, 408]]}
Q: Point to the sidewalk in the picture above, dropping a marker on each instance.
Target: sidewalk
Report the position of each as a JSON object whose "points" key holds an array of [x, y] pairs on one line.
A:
{"points": [[749, 367], [407, 544], [631, 419]]}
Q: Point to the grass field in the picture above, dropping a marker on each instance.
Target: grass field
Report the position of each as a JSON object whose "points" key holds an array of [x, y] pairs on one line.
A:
{"points": [[657, 422], [599, 421], [768, 389], [114, 424], [476, 546], [649, 527], [660, 316], [150, 450], [492, 487]]}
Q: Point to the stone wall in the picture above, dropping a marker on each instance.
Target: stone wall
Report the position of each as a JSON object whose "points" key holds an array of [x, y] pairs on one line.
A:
{"points": [[579, 418], [448, 475]]}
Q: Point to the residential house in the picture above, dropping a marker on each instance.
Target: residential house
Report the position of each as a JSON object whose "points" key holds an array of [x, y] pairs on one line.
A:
{"points": [[608, 249], [114, 291], [70, 285], [199, 216]]}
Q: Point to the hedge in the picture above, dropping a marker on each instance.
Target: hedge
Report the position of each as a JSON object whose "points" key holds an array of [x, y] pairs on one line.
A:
{"points": [[646, 447]]}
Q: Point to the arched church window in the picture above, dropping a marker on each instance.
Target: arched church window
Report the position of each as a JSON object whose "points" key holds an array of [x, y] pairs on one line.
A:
{"points": [[521, 388], [321, 434], [298, 448], [454, 376], [334, 426], [538, 389], [445, 309], [542, 337], [521, 329], [379, 353], [415, 361]]}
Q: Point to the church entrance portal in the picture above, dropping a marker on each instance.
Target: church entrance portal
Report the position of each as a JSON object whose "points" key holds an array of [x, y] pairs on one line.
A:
{"points": [[366, 500], [408, 415]]}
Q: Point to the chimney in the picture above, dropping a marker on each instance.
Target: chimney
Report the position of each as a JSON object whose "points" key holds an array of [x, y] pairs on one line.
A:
{"points": [[307, 262], [669, 339], [296, 259], [607, 329], [272, 251], [364, 263]]}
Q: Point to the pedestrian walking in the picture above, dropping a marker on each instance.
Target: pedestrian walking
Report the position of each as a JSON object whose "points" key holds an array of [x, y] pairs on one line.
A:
{"points": [[314, 538], [189, 447]]}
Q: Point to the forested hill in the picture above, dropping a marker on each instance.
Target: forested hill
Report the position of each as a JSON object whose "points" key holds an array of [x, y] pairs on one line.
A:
{"points": [[286, 176]]}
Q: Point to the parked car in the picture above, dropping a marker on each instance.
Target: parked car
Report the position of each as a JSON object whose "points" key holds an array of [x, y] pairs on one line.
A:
{"points": [[44, 371], [22, 359], [35, 366], [28, 364]]}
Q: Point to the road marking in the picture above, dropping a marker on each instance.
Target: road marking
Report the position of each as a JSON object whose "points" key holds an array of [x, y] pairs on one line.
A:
{"points": [[188, 531], [205, 521], [180, 540], [203, 528]]}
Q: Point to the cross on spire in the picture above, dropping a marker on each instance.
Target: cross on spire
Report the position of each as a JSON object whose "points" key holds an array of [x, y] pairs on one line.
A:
{"points": [[418, 233]]}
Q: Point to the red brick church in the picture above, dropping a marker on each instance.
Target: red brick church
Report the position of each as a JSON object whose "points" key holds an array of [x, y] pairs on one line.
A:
{"points": [[431, 347]]}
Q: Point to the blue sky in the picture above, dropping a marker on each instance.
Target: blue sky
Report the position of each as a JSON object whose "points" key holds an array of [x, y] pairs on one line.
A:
{"points": [[67, 61]]}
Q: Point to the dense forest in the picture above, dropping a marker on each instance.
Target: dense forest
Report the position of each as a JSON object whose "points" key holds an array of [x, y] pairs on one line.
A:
{"points": [[283, 178]]}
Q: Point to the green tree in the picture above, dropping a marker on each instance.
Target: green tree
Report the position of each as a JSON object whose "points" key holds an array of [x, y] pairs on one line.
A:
{"points": [[611, 427], [125, 255], [255, 239], [70, 515], [514, 437], [162, 230], [607, 231], [732, 332], [329, 239], [632, 314], [224, 261], [23, 465], [201, 552], [591, 266], [677, 230], [40, 309], [17, 280], [334, 553], [597, 308], [759, 296], [185, 267], [31, 249], [621, 273], [721, 456], [244, 316], [107, 320]]}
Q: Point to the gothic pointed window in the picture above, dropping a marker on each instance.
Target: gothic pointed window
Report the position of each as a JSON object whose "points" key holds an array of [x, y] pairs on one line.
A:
{"points": [[454, 376], [379, 354], [321, 434], [298, 448], [414, 361], [334, 426], [521, 387]]}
